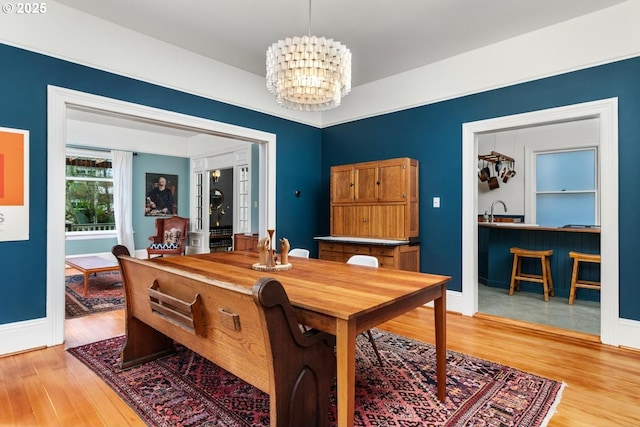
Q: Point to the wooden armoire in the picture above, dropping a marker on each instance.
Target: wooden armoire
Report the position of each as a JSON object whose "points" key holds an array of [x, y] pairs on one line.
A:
{"points": [[374, 210]]}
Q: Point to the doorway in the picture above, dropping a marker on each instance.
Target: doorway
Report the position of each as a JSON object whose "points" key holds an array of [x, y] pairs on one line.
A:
{"points": [[59, 100], [221, 209], [514, 196], [606, 112]]}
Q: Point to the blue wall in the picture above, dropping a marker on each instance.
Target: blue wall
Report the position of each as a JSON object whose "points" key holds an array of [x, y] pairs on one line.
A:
{"points": [[24, 77], [433, 134]]}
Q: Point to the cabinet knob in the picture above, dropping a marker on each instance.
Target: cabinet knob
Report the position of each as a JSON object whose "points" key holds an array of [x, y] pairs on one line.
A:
{"points": [[351, 184], [377, 182], [404, 195]]}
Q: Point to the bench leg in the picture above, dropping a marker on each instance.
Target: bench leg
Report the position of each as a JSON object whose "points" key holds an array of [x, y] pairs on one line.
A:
{"points": [[143, 344]]}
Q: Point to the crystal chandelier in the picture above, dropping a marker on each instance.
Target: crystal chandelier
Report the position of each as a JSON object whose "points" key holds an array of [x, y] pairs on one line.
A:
{"points": [[308, 73]]}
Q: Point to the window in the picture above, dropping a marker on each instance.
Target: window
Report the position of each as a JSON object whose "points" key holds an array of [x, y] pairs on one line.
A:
{"points": [[566, 188], [243, 200], [198, 193], [89, 193]]}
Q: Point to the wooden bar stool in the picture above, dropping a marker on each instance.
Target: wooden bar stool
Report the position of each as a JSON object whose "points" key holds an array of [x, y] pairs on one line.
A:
{"points": [[575, 282], [517, 275]]}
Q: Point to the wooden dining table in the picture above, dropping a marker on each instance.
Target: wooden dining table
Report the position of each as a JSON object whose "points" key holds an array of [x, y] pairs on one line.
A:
{"points": [[340, 299]]}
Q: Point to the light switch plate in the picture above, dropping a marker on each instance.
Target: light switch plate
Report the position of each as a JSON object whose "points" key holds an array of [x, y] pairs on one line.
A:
{"points": [[436, 202]]}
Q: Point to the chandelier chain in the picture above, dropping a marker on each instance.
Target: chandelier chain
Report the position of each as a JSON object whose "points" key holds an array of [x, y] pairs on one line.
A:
{"points": [[309, 18]]}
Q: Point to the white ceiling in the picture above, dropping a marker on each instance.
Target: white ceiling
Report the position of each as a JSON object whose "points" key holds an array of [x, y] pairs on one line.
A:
{"points": [[386, 37]]}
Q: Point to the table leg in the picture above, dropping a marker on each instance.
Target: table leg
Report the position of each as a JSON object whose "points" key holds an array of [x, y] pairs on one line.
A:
{"points": [[346, 376], [86, 283], [440, 308]]}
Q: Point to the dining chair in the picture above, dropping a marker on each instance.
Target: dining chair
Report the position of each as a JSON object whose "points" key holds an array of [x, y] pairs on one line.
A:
{"points": [[367, 261], [299, 252]]}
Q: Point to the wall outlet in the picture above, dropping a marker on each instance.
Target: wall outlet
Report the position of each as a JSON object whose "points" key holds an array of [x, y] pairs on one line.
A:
{"points": [[436, 202]]}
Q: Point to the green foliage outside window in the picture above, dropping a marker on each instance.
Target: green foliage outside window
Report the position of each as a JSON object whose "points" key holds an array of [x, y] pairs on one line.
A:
{"points": [[89, 194]]}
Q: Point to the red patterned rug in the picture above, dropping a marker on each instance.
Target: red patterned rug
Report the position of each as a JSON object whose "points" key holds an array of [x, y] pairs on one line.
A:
{"points": [[105, 294], [185, 389]]}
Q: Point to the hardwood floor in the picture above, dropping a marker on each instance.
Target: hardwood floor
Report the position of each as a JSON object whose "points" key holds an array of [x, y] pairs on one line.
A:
{"points": [[49, 387]]}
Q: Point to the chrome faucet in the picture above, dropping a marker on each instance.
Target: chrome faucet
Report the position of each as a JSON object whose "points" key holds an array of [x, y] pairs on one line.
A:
{"points": [[493, 204]]}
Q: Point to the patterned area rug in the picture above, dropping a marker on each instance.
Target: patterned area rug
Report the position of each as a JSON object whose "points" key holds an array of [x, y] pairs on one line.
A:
{"points": [[187, 390], [105, 294]]}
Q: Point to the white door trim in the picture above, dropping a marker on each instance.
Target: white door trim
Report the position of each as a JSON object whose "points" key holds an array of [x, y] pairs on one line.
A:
{"points": [[59, 99], [607, 111]]}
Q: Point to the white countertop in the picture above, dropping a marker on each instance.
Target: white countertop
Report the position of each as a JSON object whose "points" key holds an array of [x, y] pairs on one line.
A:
{"points": [[366, 240], [525, 226]]}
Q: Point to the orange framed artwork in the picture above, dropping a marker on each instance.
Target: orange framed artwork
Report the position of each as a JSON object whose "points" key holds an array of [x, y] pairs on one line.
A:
{"points": [[14, 184]]}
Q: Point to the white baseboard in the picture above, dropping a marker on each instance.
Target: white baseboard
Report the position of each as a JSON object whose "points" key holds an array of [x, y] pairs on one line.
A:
{"points": [[197, 250], [454, 302], [629, 331], [23, 336]]}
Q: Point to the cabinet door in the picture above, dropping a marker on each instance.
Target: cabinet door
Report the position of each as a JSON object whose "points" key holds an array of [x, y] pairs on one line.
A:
{"points": [[351, 220], [387, 222], [393, 175], [343, 220], [342, 184], [363, 221], [366, 182]]}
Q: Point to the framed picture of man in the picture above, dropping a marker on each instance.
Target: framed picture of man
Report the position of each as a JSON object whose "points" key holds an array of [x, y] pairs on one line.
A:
{"points": [[161, 195]]}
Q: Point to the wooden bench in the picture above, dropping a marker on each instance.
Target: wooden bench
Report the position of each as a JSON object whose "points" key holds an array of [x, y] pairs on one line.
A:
{"points": [[251, 333]]}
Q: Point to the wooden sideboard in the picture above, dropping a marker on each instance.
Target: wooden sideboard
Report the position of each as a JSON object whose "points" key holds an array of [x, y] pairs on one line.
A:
{"points": [[245, 242], [397, 255], [375, 199]]}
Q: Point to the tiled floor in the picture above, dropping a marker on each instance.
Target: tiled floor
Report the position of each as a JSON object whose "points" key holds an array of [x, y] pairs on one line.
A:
{"points": [[582, 316]]}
